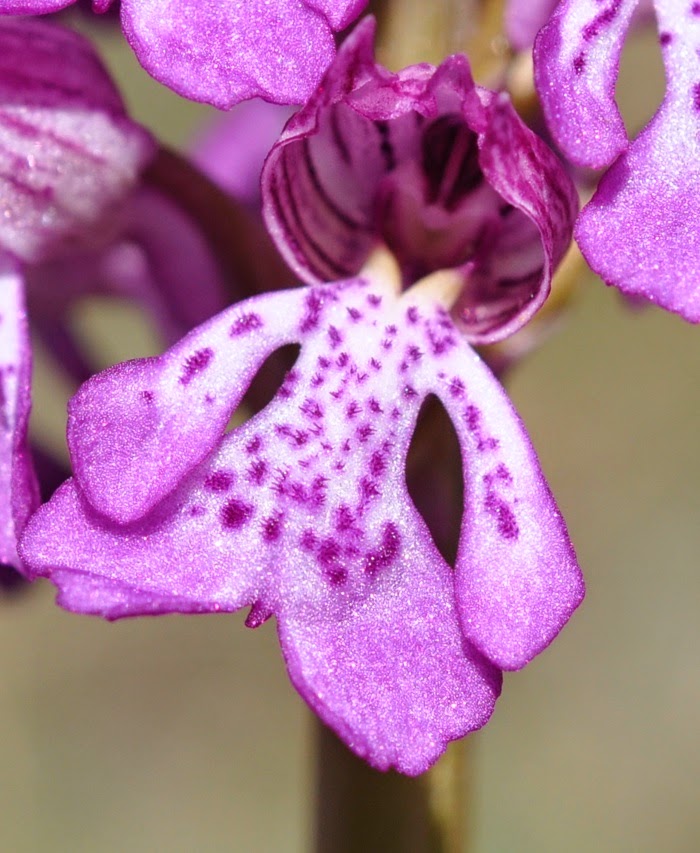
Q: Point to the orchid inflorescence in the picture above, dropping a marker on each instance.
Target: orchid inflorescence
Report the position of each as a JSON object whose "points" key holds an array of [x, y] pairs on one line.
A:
{"points": [[422, 218]]}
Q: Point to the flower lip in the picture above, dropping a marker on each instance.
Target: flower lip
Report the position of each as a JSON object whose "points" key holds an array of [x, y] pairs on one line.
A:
{"points": [[440, 170]]}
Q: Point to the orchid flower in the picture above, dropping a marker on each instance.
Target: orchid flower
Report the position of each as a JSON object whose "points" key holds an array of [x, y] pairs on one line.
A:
{"points": [[225, 52], [524, 18], [302, 512], [76, 223], [59, 112], [639, 231]]}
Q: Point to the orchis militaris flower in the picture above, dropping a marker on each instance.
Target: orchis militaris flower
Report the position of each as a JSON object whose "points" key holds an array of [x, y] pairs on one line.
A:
{"points": [[303, 512], [225, 51], [59, 112], [639, 232]]}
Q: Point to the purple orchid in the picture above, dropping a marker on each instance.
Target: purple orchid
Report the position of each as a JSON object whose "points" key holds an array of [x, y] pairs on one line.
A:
{"points": [[639, 232], [59, 111], [226, 52], [303, 512], [523, 19]]}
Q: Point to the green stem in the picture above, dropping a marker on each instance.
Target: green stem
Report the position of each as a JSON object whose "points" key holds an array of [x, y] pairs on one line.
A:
{"points": [[360, 810]]}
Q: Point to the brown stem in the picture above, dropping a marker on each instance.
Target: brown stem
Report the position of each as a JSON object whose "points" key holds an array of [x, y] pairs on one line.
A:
{"points": [[246, 255], [359, 810]]}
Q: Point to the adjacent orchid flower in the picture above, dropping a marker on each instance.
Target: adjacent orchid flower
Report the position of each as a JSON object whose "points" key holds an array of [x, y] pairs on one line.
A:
{"points": [[524, 18], [639, 232], [59, 112], [302, 512], [226, 52]]}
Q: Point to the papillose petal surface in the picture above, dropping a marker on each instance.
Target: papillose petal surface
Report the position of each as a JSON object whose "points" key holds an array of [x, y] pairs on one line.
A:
{"points": [[302, 512], [225, 51], [18, 491], [639, 232], [68, 153], [438, 169]]}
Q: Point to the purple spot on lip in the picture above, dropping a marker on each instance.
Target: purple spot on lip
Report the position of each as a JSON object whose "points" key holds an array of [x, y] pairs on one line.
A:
{"points": [[147, 396], [244, 324], [313, 312], [195, 363], [254, 444], [328, 557], [374, 300], [695, 9], [235, 513], [219, 481], [352, 410], [665, 39], [696, 96], [272, 528], [354, 314], [334, 337], [308, 540], [579, 63], [387, 552], [607, 16], [257, 472], [505, 518], [377, 465], [365, 432], [412, 314], [473, 418], [456, 387]]}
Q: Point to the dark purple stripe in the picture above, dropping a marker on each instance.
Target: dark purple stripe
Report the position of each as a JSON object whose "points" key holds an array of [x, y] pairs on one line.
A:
{"points": [[323, 195]]}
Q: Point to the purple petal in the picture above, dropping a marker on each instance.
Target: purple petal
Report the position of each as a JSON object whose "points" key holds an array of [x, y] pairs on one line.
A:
{"points": [[303, 512], [640, 231], [18, 490], [513, 274], [231, 151], [226, 52], [517, 578], [68, 153], [32, 7], [129, 441], [523, 18], [391, 675], [577, 57], [443, 172]]}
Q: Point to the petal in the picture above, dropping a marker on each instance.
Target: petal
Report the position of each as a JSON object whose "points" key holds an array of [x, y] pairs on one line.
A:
{"points": [[577, 57], [182, 285], [303, 512], [32, 7], [68, 153], [18, 489], [640, 232], [523, 18], [517, 578], [393, 677], [232, 149], [129, 441], [401, 159], [168, 563], [226, 52], [513, 272]]}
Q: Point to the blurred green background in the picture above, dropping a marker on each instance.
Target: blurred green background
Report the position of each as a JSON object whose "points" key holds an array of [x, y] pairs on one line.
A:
{"points": [[183, 734]]}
